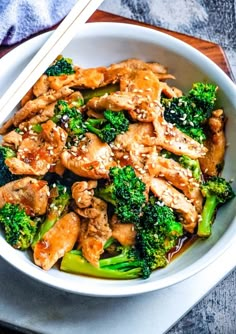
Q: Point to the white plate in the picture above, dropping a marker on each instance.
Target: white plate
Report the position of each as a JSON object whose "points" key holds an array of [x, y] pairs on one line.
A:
{"points": [[99, 44]]}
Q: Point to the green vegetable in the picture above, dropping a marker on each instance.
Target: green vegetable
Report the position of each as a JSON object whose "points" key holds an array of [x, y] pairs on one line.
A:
{"points": [[216, 191], [186, 162], [125, 192], [70, 119], [5, 175], [90, 93], [190, 112], [57, 207], [157, 233], [192, 165], [19, 228], [60, 66], [108, 127], [122, 266]]}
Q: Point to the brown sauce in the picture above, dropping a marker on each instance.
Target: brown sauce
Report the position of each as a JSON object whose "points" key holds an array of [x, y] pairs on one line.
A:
{"points": [[184, 243]]}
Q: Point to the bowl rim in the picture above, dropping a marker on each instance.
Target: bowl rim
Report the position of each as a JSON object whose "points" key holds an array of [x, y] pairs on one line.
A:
{"points": [[143, 286]]}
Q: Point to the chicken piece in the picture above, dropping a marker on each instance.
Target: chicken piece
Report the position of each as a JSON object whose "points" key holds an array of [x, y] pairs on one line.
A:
{"points": [[134, 146], [116, 101], [175, 141], [82, 78], [95, 231], [138, 133], [177, 201], [12, 139], [41, 86], [32, 107], [137, 64], [212, 163], [124, 233], [73, 99], [30, 193], [42, 116], [60, 239], [28, 96], [143, 82], [145, 112], [178, 176], [91, 158], [133, 64], [113, 75], [36, 153], [83, 193]]}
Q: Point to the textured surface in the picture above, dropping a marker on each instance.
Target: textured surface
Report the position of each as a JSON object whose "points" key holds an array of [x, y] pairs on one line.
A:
{"points": [[213, 20]]}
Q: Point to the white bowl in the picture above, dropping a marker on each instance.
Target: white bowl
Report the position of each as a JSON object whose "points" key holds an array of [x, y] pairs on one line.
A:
{"points": [[99, 44]]}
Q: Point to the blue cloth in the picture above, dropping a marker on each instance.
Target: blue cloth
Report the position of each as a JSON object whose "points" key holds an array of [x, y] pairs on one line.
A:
{"points": [[21, 18]]}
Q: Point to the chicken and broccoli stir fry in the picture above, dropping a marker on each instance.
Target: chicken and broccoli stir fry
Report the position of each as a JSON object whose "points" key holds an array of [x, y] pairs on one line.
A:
{"points": [[105, 171]]}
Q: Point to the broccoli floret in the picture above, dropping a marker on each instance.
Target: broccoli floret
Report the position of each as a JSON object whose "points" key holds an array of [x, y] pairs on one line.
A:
{"points": [[56, 208], [121, 266], [60, 66], [70, 119], [190, 112], [192, 165], [19, 228], [216, 191], [108, 127], [6, 175], [125, 192], [157, 233], [185, 162], [204, 96]]}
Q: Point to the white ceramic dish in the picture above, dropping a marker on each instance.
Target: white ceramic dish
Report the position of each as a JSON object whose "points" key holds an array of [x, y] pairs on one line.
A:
{"points": [[101, 44]]}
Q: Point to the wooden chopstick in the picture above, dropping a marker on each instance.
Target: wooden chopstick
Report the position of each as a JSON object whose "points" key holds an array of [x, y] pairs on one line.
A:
{"points": [[78, 15]]}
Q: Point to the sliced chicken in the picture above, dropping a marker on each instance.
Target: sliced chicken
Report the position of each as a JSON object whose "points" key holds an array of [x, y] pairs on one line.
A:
{"points": [[143, 82], [12, 139], [124, 233], [32, 107], [91, 158], [28, 96], [60, 239], [30, 193], [175, 141], [177, 201], [137, 64], [82, 78], [134, 148], [83, 193], [116, 101], [212, 163], [95, 231], [178, 176], [42, 116], [41, 86], [36, 152]]}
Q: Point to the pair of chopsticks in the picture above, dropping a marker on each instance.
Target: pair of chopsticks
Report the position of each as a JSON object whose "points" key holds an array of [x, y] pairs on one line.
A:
{"points": [[78, 15]]}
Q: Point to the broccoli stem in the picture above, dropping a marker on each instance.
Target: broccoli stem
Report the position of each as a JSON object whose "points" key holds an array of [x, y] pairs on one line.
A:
{"points": [[90, 93], [204, 226], [106, 194], [76, 264], [54, 214]]}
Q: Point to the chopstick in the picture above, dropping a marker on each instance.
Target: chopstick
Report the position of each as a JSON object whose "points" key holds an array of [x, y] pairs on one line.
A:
{"points": [[78, 15]]}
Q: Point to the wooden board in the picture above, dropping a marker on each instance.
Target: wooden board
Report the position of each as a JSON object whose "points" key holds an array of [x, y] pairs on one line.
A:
{"points": [[211, 50]]}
